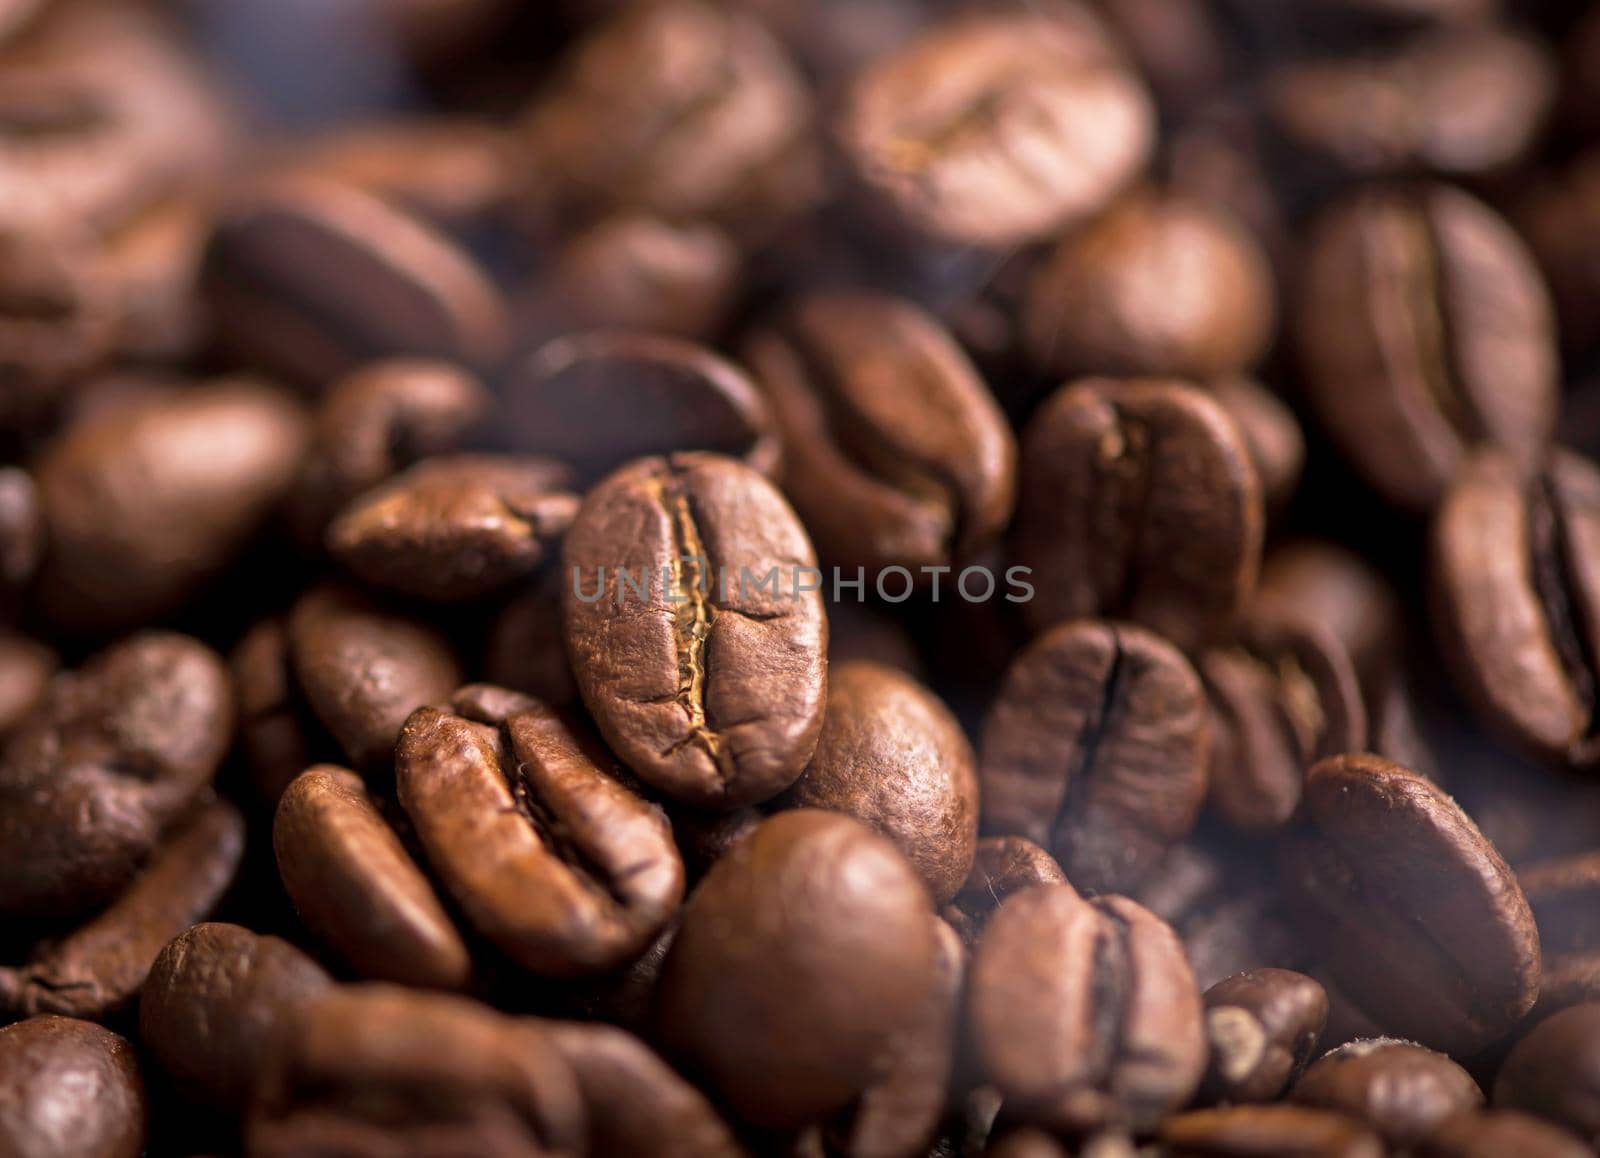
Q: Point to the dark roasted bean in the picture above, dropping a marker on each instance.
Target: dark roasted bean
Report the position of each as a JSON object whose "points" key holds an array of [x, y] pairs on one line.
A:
{"points": [[69, 1088]]}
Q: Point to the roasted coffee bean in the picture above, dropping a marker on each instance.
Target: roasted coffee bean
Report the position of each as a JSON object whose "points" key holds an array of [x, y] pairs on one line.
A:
{"points": [[1001, 866], [356, 887], [457, 527], [1316, 582], [69, 1088], [678, 396], [215, 998], [21, 533], [1268, 1132], [711, 685], [1563, 895], [309, 277], [96, 969], [1425, 332], [1490, 1133], [146, 503], [807, 952], [892, 755], [1282, 697], [899, 1116], [1263, 1027], [640, 273], [1516, 575], [1467, 100], [1271, 433], [374, 423], [1401, 1090], [683, 108], [154, 262], [374, 1069], [26, 668], [1085, 1013], [552, 857], [1160, 285], [115, 754], [363, 669], [1554, 1071], [1096, 749], [525, 651], [1138, 501], [1412, 910], [1000, 128], [895, 453], [635, 1102]]}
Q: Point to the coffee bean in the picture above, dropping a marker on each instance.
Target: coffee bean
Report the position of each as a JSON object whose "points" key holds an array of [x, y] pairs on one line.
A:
{"points": [[309, 277], [1282, 697], [1001, 128], [525, 651], [374, 423], [711, 683], [1003, 865], [1487, 1133], [635, 1102], [1160, 285], [1565, 897], [678, 396], [553, 858], [21, 533], [1316, 582], [813, 940], [1085, 1013], [895, 452], [149, 502], [1271, 433], [457, 527], [1557, 217], [26, 669], [892, 756], [1516, 574], [1263, 1026], [115, 754], [1401, 1090], [1554, 1072], [95, 970], [69, 1088], [214, 1000], [364, 669], [1096, 749], [1278, 1131], [1138, 501], [367, 1069], [356, 887], [1413, 911], [1425, 333]]}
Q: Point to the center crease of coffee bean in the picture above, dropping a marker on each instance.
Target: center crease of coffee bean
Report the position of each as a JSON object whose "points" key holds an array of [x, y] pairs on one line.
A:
{"points": [[1552, 567]]}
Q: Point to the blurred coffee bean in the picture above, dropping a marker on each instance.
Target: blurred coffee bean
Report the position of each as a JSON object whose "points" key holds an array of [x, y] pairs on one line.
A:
{"points": [[1283, 696], [26, 668], [308, 277], [999, 128], [1316, 583], [1161, 285], [1425, 332], [1559, 216], [711, 687], [566, 399], [1565, 897], [1096, 748], [1516, 574], [1138, 501], [96, 969], [457, 527], [374, 423], [1085, 1013], [356, 887], [892, 756], [1411, 909], [1271, 433], [681, 108], [1003, 865], [1400, 1090], [21, 533], [215, 998], [147, 502], [153, 262], [807, 951], [1487, 1133], [1263, 1026], [112, 757], [371, 1069], [1180, 47], [895, 453], [69, 1088], [1283, 1131], [552, 857], [525, 651], [1554, 1072]]}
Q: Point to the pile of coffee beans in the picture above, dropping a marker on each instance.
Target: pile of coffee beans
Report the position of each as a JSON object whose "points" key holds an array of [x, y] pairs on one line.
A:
{"points": [[818, 578]]}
